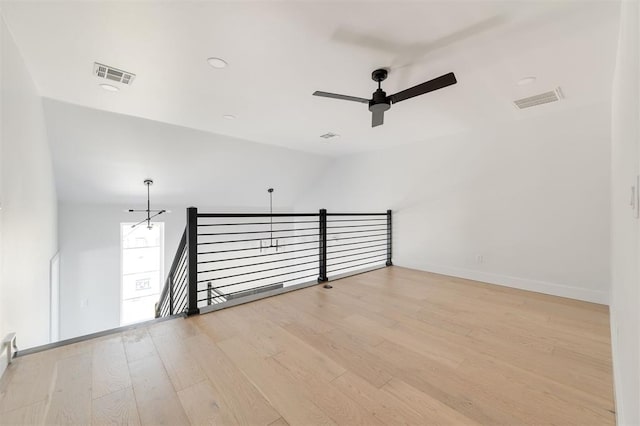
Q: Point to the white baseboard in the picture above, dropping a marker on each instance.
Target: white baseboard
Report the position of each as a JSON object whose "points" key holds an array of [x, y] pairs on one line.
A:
{"points": [[554, 289], [616, 368], [3, 362]]}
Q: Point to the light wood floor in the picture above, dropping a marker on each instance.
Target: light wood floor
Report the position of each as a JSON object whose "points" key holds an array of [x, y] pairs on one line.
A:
{"points": [[394, 346]]}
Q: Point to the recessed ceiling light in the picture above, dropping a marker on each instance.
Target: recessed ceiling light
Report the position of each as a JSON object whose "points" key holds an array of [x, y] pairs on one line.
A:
{"points": [[109, 87], [526, 81], [229, 117], [217, 62]]}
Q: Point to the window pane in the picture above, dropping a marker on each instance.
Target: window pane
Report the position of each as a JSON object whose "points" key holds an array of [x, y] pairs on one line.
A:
{"points": [[143, 259], [139, 309], [143, 284], [142, 269]]}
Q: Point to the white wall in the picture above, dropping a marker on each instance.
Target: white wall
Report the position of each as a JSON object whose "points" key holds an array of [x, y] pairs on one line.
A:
{"points": [[531, 197], [90, 263], [625, 297], [29, 207]]}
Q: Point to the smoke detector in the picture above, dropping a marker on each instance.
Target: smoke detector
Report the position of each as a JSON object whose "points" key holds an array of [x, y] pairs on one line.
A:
{"points": [[542, 98], [113, 74]]}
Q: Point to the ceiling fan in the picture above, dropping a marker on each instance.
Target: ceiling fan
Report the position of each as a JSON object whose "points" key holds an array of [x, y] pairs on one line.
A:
{"points": [[380, 102]]}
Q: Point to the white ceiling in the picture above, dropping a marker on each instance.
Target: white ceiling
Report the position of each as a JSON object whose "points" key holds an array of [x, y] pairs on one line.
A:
{"points": [[102, 158], [281, 52]]}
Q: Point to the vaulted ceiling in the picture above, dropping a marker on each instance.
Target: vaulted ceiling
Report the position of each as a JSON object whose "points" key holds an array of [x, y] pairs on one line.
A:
{"points": [[102, 158], [279, 53]]}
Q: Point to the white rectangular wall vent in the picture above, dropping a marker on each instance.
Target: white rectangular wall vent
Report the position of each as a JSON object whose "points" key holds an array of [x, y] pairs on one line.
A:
{"points": [[113, 74], [542, 98]]}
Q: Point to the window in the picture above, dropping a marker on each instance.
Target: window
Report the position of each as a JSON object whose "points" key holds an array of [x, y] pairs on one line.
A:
{"points": [[142, 271]]}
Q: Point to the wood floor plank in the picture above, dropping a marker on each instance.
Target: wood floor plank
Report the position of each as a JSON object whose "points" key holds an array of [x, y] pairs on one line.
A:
{"points": [[33, 414], [28, 380], [526, 392], [302, 357], [236, 396], [70, 401], [180, 366], [406, 339], [336, 404], [446, 385], [110, 369], [200, 402], [116, 408], [279, 390], [179, 329], [431, 409], [213, 326], [280, 422], [157, 401], [284, 310], [345, 349], [381, 404], [138, 344]]}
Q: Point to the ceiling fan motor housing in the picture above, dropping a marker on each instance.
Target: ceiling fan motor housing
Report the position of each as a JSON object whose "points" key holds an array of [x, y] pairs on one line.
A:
{"points": [[379, 101], [379, 75]]}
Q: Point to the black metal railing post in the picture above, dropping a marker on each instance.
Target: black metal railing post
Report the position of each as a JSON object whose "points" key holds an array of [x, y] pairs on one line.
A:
{"points": [[322, 226], [209, 293], [170, 295], [389, 235], [192, 261]]}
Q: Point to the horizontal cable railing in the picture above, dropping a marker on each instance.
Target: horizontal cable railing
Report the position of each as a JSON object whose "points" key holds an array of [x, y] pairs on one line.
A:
{"points": [[283, 252], [356, 241], [224, 258]]}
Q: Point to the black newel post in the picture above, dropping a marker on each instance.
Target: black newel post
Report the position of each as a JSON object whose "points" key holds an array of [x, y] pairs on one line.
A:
{"points": [[389, 263], [322, 277], [192, 260]]}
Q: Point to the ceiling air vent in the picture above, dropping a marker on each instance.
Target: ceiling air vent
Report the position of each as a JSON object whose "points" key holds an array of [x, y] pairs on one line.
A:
{"points": [[329, 135], [113, 74], [542, 98]]}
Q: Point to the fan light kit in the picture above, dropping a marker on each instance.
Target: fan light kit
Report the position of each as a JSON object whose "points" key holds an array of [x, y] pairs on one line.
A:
{"points": [[109, 87], [217, 63], [380, 102], [148, 211]]}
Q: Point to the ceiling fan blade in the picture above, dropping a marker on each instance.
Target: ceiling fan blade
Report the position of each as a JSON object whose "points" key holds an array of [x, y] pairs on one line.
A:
{"points": [[343, 97], [377, 118], [426, 87]]}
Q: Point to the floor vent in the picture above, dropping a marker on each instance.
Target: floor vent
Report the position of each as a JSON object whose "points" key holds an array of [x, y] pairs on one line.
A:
{"points": [[113, 74], [542, 98]]}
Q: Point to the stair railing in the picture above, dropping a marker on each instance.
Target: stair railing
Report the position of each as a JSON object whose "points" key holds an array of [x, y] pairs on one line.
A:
{"points": [[224, 259], [173, 298]]}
